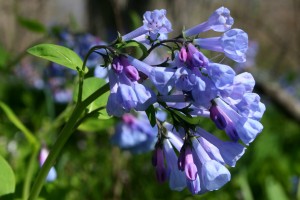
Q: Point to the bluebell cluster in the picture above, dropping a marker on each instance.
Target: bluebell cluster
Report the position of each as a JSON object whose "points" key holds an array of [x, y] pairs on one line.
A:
{"points": [[187, 85]]}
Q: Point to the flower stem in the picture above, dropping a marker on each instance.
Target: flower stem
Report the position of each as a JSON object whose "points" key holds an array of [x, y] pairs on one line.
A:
{"points": [[30, 173], [65, 134]]}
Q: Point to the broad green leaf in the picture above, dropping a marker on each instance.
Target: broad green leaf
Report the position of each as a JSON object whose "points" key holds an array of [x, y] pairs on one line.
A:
{"points": [[102, 114], [58, 54], [132, 43], [7, 178], [31, 24], [90, 85], [15, 120], [95, 125]]}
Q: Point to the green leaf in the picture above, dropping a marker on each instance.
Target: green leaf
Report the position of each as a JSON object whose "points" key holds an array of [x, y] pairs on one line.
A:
{"points": [[274, 189], [137, 45], [4, 56], [96, 125], [189, 119], [58, 54], [90, 85], [15, 120], [31, 24], [7, 178], [151, 115]]}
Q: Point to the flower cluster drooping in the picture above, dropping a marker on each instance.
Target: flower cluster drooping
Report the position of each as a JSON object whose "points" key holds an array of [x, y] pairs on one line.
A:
{"points": [[187, 85]]}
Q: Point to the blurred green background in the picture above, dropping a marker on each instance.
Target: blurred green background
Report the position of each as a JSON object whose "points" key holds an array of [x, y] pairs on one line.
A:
{"points": [[90, 167]]}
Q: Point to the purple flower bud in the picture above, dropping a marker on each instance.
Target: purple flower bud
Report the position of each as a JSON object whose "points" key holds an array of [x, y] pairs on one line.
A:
{"points": [[160, 169], [189, 165], [117, 65], [183, 54], [195, 57], [219, 21], [132, 73]]}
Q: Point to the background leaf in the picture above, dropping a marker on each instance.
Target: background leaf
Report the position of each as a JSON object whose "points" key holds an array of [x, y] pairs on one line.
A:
{"points": [[15, 120], [31, 24], [58, 54], [7, 178]]}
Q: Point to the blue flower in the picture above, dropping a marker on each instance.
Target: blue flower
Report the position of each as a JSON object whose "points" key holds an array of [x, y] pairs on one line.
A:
{"points": [[125, 91], [176, 177], [219, 21], [212, 173], [155, 22], [161, 77], [234, 43], [135, 134], [225, 152], [237, 126]]}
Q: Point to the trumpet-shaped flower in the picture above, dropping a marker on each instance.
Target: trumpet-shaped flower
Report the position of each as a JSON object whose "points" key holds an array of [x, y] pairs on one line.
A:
{"points": [[233, 43], [219, 21], [125, 91], [237, 126], [135, 134], [155, 22]]}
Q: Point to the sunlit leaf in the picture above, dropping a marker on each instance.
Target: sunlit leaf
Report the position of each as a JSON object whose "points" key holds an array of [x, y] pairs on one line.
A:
{"points": [[7, 178], [96, 125], [132, 43], [90, 85], [58, 54]]}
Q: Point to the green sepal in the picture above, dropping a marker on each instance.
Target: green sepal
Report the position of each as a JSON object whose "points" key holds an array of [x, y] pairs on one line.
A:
{"points": [[151, 115]]}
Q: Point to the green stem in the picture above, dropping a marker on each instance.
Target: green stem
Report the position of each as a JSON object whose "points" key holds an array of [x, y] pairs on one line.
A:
{"points": [[65, 134], [29, 174], [82, 71]]}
